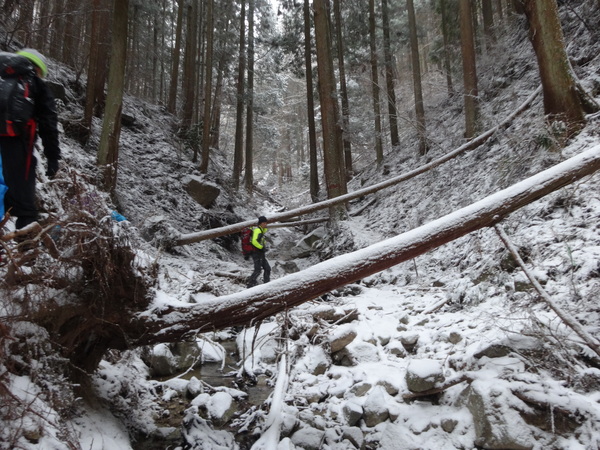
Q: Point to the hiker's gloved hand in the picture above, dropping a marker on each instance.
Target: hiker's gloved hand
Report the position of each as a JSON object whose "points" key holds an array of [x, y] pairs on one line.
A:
{"points": [[52, 168]]}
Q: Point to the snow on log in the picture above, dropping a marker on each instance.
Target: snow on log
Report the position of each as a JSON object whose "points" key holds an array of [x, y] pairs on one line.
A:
{"points": [[190, 238], [171, 324]]}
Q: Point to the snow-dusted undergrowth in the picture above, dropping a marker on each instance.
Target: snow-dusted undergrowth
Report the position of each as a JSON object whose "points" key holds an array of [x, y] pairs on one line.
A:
{"points": [[342, 367]]}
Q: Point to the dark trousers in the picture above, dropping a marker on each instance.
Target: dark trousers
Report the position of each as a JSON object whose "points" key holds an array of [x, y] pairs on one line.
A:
{"points": [[19, 176], [260, 264]]}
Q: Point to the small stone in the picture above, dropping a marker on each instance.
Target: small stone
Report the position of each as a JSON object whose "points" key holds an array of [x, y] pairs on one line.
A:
{"points": [[448, 425]]}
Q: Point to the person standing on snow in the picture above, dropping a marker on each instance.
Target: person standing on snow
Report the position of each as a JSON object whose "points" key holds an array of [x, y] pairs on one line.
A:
{"points": [[258, 255], [17, 162]]}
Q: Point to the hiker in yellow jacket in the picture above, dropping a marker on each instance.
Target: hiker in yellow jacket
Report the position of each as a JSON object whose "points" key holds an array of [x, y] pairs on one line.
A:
{"points": [[258, 241]]}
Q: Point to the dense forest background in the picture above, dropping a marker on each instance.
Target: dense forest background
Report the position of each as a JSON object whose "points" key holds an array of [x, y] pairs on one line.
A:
{"points": [[384, 129], [249, 78]]}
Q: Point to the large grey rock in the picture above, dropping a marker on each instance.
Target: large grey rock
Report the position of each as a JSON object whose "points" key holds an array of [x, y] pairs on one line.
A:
{"points": [[396, 348], [317, 361], [361, 388], [409, 342], [128, 120], [203, 192], [353, 412], [423, 375], [188, 354], [454, 337], [161, 361], [194, 387], [355, 354], [354, 435], [448, 425], [308, 438], [375, 409], [494, 351], [341, 337], [497, 426], [169, 359], [390, 387], [290, 422]]}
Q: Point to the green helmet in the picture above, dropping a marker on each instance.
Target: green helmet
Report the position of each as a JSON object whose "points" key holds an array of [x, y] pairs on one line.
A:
{"points": [[35, 57]]}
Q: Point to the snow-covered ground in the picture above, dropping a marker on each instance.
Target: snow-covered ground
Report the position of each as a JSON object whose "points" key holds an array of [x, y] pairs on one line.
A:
{"points": [[451, 350]]}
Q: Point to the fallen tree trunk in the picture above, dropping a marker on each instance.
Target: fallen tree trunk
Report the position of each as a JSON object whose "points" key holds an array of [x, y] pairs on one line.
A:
{"points": [[299, 223], [190, 238], [169, 324]]}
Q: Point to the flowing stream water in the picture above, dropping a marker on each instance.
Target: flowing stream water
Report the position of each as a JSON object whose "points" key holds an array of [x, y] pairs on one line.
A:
{"points": [[214, 374]]}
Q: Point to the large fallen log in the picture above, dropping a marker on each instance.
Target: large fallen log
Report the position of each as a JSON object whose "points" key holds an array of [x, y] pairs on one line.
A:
{"points": [[190, 238], [169, 324]]}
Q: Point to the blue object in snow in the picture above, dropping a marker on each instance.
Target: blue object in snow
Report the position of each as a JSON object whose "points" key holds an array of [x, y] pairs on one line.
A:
{"points": [[3, 189], [55, 233], [117, 217]]}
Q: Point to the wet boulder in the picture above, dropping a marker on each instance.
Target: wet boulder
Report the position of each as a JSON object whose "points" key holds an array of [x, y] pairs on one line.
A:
{"points": [[169, 359]]}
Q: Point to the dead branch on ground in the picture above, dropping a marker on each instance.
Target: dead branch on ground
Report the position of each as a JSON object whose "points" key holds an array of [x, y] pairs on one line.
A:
{"points": [[569, 320]]}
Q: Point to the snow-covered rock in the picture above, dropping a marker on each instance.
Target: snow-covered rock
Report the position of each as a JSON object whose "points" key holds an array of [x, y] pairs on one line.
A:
{"points": [[375, 408], [219, 407], [497, 425], [169, 359], [316, 361], [353, 412], [423, 375], [342, 337], [309, 438]]}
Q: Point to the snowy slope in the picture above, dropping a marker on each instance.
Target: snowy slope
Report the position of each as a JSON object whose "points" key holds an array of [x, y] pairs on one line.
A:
{"points": [[462, 316]]}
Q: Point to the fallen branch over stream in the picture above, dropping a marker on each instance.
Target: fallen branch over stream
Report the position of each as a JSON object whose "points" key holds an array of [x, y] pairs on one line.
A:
{"points": [[170, 324]]}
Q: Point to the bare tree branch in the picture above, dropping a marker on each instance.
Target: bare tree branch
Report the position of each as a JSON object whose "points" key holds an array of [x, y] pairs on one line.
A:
{"points": [[569, 320]]}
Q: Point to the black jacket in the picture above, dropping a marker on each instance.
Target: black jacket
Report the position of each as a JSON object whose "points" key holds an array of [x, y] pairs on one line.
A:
{"points": [[46, 118]]}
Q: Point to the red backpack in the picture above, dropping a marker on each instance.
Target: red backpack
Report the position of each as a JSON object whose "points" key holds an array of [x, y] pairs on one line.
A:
{"points": [[247, 247]]}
